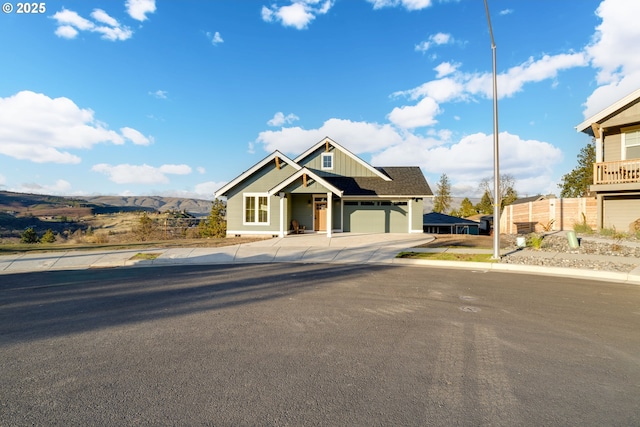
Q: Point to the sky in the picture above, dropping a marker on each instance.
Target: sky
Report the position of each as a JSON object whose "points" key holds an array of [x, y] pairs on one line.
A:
{"points": [[176, 98]]}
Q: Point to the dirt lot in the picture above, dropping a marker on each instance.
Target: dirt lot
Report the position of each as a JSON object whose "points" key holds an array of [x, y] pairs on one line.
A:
{"points": [[464, 241]]}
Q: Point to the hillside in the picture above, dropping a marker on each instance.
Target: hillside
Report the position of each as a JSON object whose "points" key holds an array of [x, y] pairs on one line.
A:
{"points": [[196, 207], [22, 204]]}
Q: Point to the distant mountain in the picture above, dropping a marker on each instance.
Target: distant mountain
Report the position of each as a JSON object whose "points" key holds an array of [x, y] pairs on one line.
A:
{"points": [[46, 205], [197, 207]]}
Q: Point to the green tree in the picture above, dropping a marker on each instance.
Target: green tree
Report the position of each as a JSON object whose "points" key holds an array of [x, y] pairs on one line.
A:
{"points": [[466, 208], [48, 237], [146, 228], [442, 200], [485, 206], [507, 193], [576, 183], [216, 224], [510, 196], [29, 236]]}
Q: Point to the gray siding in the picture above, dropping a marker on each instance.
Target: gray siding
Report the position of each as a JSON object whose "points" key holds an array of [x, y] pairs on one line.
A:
{"points": [[625, 117], [261, 181], [343, 165], [612, 150], [417, 208], [302, 210]]}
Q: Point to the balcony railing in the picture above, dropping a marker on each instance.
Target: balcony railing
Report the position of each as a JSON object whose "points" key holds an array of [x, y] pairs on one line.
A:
{"points": [[618, 172]]}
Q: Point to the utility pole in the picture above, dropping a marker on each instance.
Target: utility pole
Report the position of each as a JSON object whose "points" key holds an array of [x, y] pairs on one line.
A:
{"points": [[496, 158]]}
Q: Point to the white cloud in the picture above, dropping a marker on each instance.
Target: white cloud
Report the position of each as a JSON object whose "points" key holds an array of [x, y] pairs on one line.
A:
{"points": [[618, 69], [160, 94], [505, 12], [60, 187], [41, 129], [453, 85], [414, 116], [66, 32], [359, 137], [138, 9], [70, 23], [135, 136], [206, 190], [280, 119], [299, 14], [407, 4], [175, 169], [3, 180], [435, 39], [201, 170], [446, 68], [140, 174], [102, 16], [216, 39], [470, 159]]}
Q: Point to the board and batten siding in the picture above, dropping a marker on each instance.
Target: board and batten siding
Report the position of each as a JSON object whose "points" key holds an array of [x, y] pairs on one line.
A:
{"points": [[612, 148], [343, 165]]}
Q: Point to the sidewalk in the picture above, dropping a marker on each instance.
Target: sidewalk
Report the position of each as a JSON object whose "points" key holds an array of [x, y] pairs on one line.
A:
{"points": [[310, 248]]}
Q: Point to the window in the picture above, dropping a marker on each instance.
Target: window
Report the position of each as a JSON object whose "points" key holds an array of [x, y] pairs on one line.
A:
{"points": [[632, 145], [327, 161], [256, 209]]}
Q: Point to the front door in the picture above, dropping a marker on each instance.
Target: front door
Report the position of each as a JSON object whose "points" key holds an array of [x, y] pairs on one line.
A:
{"points": [[320, 217]]}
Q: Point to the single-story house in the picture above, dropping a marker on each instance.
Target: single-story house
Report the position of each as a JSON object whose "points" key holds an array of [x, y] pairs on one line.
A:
{"points": [[438, 223], [325, 189], [616, 172]]}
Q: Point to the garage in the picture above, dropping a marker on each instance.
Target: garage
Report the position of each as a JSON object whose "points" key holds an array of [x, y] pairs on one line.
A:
{"points": [[366, 216], [620, 211]]}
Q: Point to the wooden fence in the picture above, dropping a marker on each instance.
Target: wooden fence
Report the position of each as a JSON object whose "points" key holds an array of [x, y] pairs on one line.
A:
{"points": [[551, 214]]}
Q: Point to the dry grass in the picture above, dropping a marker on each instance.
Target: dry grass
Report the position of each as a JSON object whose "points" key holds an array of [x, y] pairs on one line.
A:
{"points": [[463, 241]]}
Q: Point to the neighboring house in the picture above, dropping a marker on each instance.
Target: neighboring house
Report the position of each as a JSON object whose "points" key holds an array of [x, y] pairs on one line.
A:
{"points": [[616, 173], [438, 223], [531, 199], [325, 189]]}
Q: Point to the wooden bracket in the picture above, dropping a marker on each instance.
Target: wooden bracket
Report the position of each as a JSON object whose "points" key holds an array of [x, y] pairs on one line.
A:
{"points": [[304, 179], [278, 162]]}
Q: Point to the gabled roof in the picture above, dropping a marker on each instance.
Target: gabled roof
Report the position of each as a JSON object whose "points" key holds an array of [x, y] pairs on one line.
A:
{"points": [[244, 175], [345, 151], [298, 174], [609, 112], [531, 199], [435, 218], [406, 181]]}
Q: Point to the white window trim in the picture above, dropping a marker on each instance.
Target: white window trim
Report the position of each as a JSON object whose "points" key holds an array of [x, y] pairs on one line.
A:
{"points": [[244, 208], [623, 141], [322, 161]]}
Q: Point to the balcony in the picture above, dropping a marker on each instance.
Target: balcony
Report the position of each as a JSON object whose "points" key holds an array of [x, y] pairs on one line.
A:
{"points": [[617, 172]]}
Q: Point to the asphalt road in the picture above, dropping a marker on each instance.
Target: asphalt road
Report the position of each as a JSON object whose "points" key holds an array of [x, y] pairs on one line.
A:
{"points": [[308, 344]]}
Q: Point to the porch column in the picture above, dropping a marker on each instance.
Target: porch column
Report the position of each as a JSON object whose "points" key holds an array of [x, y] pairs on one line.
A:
{"points": [[329, 213], [281, 214]]}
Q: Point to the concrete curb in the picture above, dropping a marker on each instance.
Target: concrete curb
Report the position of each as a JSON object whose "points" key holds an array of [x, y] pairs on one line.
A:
{"points": [[609, 276]]}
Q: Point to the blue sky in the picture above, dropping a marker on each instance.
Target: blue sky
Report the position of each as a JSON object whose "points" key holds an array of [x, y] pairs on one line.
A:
{"points": [[176, 98]]}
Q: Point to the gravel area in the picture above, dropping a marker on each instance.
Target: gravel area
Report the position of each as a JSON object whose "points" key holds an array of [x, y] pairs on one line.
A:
{"points": [[594, 253]]}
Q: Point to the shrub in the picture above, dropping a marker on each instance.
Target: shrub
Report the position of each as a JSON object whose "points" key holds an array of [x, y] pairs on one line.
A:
{"points": [[535, 241], [29, 236], [582, 227], [48, 237]]}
